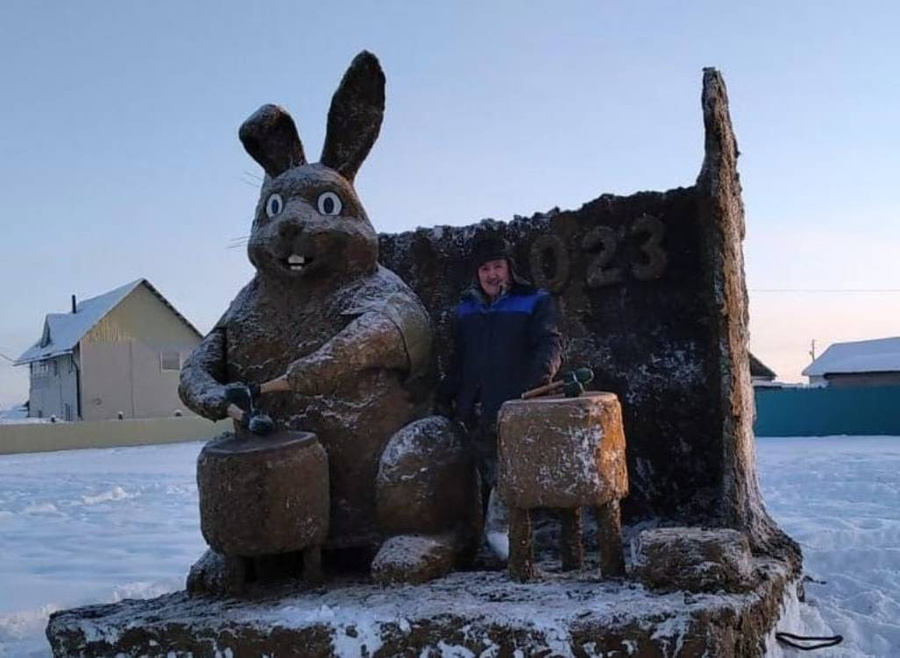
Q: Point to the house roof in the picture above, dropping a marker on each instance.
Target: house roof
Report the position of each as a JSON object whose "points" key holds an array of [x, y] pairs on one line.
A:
{"points": [[760, 369], [63, 331], [879, 355]]}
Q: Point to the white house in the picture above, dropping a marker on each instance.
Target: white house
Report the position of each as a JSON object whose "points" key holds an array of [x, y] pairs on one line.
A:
{"points": [[118, 353], [860, 363]]}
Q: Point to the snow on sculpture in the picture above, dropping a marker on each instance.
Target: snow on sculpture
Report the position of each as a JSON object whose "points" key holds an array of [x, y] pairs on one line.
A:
{"points": [[653, 299], [348, 338]]}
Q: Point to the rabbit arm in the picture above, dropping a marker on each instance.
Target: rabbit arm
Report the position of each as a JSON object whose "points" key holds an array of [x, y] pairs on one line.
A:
{"points": [[372, 340], [202, 375]]}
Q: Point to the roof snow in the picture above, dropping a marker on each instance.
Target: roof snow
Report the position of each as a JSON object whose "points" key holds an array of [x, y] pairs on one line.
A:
{"points": [[879, 355], [63, 331]]}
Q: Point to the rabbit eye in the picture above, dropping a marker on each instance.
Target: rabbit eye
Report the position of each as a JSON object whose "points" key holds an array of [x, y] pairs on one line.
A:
{"points": [[330, 204], [274, 205]]}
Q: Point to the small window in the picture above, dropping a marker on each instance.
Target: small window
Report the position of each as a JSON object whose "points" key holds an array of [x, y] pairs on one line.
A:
{"points": [[170, 360]]}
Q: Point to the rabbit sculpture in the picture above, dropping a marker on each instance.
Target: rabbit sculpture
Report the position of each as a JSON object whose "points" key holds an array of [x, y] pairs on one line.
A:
{"points": [[346, 343]]}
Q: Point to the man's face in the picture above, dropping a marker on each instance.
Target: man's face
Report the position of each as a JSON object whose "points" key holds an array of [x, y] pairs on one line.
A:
{"points": [[493, 277]]}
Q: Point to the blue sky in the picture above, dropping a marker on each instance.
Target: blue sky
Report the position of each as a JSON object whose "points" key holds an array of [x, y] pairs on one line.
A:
{"points": [[119, 156]]}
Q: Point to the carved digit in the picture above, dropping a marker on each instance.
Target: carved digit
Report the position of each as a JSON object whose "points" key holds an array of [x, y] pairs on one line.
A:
{"points": [[651, 247], [552, 246], [598, 274]]}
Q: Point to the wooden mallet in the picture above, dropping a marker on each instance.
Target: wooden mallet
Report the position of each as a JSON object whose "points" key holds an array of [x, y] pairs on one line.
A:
{"points": [[571, 383]]}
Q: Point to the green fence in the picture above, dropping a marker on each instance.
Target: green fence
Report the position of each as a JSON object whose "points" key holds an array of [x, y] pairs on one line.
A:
{"points": [[862, 411]]}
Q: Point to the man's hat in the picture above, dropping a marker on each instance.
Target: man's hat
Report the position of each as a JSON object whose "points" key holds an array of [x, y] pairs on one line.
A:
{"points": [[490, 247]]}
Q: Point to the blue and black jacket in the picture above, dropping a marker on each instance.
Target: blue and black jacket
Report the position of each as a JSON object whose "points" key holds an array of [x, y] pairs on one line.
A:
{"points": [[501, 349]]}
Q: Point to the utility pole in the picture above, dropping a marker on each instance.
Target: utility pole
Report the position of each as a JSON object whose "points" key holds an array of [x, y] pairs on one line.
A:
{"points": [[812, 352]]}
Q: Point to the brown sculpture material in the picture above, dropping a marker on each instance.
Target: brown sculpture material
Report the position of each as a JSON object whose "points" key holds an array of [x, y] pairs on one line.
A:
{"points": [[563, 453], [338, 344], [652, 293]]}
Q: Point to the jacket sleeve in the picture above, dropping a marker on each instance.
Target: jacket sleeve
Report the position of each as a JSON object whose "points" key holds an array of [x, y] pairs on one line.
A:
{"points": [[546, 343]]}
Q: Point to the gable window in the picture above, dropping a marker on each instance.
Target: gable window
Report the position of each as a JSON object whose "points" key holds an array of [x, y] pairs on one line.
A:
{"points": [[169, 360]]}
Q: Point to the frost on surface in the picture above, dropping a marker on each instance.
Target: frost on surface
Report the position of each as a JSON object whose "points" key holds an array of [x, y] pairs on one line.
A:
{"points": [[416, 440], [692, 559], [488, 611]]}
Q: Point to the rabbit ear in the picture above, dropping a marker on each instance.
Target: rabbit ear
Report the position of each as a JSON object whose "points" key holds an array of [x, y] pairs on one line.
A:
{"points": [[354, 119], [271, 138]]}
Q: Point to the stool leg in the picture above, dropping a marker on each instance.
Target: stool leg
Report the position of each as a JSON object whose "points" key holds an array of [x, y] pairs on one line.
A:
{"points": [[521, 554], [312, 566], [570, 546], [609, 535]]}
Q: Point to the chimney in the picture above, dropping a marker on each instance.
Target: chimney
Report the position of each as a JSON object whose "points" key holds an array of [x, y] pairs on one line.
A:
{"points": [[73, 304]]}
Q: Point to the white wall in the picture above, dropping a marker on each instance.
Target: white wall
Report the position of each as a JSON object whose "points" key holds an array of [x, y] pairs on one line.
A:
{"points": [[43, 437], [121, 360]]}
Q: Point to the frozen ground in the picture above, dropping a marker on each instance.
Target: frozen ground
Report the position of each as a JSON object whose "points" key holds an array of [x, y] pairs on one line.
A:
{"points": [[87, 526], [102, 525], [840, 498]]}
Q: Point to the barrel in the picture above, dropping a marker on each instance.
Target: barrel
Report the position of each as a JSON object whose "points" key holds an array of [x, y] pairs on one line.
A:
{"points": [[263, 495]]}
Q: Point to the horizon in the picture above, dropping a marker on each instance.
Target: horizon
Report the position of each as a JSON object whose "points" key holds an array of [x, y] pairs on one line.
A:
{"points": [[122, 159]]}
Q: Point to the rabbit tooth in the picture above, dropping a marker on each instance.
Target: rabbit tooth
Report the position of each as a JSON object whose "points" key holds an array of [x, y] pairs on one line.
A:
{"points": [[294, 259]]}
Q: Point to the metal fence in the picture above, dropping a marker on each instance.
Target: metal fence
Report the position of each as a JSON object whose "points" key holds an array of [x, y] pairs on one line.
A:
{"points": [[861, 411]]}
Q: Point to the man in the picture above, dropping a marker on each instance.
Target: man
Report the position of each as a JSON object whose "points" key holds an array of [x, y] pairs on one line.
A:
{"points": [[506, 341]]}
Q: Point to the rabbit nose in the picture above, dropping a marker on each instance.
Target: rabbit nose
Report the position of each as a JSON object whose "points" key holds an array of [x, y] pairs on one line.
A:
{"points": [[289, 230]]}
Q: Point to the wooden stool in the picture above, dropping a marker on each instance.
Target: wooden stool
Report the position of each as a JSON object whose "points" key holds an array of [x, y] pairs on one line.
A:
{"points": [[563, 453], [264, 496]]}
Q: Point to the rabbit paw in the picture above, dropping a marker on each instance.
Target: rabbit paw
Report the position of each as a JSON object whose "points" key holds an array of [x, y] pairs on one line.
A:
{"points": [[242, 395]]}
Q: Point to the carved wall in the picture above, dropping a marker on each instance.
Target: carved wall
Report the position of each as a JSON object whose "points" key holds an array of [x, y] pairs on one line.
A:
{"points": [[651, 295]]}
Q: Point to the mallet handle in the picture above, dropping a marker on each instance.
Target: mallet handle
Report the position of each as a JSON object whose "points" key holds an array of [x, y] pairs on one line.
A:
{"points": [[543, 390]]}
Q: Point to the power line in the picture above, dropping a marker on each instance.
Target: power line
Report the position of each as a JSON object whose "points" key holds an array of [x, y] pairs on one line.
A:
{"points": [[827, 290]]}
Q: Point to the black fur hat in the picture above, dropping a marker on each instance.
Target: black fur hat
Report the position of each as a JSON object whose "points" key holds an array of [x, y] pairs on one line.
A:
{"points": [[490, 247]]}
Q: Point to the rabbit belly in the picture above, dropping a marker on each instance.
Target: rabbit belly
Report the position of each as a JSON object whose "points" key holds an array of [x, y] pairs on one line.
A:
{"points": [[354, 428], [353, 424], [266, 333]]}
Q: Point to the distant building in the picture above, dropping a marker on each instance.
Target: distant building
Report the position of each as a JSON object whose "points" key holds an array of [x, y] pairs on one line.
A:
{"points": [[760, 373], [118, 353], [860, 363]]}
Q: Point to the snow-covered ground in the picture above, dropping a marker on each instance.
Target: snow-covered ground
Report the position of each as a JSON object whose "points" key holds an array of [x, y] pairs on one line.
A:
{"points": [[17, 414], [86, 526], [840, 498], [91, 526]]}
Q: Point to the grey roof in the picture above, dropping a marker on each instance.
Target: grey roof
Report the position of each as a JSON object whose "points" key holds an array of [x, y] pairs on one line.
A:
{"points": [[65, 330], [879, 355]]}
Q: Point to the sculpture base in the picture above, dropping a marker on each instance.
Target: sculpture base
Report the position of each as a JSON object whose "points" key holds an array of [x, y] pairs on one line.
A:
{"points": [[565, 613]]}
